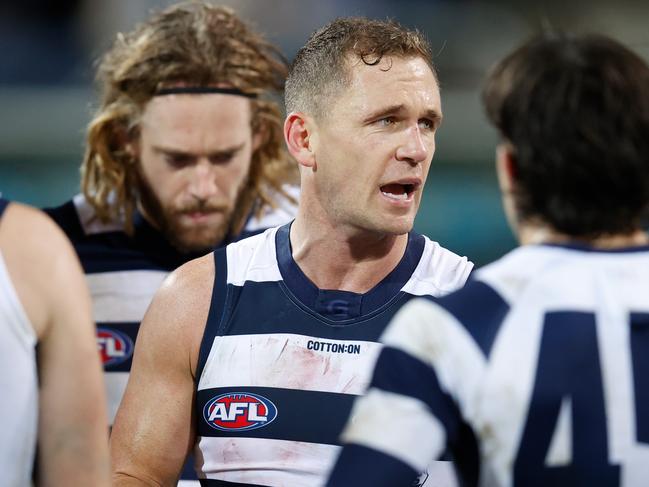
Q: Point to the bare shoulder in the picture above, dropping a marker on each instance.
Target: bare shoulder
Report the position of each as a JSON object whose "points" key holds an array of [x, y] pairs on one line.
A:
{"points": [[41, 262], [188, 289], [29, 230], [178, 313]]}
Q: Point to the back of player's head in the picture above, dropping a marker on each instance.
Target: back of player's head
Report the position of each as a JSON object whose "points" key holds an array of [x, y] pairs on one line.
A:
{"points": [[191, 44], [575, 109], [322, 67]]}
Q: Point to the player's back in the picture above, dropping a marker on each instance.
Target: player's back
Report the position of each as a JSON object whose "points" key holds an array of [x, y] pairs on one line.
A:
{"points": [[536, 373], [18, 384], [564, 399]]}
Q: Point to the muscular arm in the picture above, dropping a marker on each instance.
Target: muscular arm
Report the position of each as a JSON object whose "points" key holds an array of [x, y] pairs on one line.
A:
{"points": [[72, 436], [154, 427]]}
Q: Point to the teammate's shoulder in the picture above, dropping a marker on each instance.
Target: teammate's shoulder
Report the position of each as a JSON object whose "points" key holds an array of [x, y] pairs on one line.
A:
{"points": [[439, 272], [284, 211], [34, 237], [191, 277], [30, 224]]}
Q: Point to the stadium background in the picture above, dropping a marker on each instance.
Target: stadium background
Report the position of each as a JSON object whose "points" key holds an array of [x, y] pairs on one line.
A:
{"points": [[47, 93]]}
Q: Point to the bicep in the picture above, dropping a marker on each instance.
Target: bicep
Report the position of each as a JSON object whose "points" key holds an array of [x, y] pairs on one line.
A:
{"points": [[153, 430]]}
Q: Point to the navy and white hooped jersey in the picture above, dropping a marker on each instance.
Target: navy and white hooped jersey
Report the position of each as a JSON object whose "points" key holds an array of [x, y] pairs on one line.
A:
{"points": [[281, 361], [534, 374], [123, 273], [18, 385]]}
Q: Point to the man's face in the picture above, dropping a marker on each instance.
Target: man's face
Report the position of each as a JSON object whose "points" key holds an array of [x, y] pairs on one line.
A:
{"points": [[374, 147], [194, 153]]}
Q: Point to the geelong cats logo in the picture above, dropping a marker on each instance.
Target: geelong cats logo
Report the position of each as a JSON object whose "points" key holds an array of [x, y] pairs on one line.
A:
{"points": [[239, 411]]}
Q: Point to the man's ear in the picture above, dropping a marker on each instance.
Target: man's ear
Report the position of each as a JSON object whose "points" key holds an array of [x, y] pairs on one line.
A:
{"points": [[299, 135], [127, 141], [506, 166]]}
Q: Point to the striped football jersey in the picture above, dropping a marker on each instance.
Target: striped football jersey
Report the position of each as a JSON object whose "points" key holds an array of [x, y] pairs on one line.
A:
{"points": [[123, 273], [536, 373], [281, 361]]}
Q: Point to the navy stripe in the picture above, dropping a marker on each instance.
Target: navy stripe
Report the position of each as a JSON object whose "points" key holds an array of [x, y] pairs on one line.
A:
{"points": [[282, 315], [3, 206], [639, 341], [401, 373], [310, 416], [361, 305], [217, 308], [480, 309], [362, 466], [67, 218], [188, 472], [223, 483]]}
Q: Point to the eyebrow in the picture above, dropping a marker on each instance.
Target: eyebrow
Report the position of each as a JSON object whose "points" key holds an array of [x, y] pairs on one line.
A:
{"points": [[434, 115], [179, 152]]}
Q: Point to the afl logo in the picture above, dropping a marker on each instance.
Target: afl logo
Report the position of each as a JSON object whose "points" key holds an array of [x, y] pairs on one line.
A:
{"points": [[239, 411], [114, 347]]}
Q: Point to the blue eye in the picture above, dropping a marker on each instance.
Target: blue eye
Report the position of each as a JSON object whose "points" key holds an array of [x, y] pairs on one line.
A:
{"points": [[426, 124], [386, 122]]}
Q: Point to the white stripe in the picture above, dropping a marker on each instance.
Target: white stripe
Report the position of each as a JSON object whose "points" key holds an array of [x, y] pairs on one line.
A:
{"points": [[399, 426], [253, 259], [431, 334], [123, 295], [273, 217], [89, 221], [115, 383], [262, 360], [189, 483], [279, 463], [438, 273]]}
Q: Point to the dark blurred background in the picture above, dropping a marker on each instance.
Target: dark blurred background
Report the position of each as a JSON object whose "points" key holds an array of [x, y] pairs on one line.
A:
{"points": [[48, 52]]}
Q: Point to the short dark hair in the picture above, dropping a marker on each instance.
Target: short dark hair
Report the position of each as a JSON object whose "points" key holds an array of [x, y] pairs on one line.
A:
{"points": [[576, 111], [321, 67]]}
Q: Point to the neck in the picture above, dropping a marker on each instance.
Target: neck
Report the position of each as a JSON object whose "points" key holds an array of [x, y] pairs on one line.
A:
{"points": [[346, 259], [539, 234]]}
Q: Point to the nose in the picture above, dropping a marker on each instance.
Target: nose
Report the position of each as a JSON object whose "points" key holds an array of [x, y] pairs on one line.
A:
{"points": [[202, 184], [413, 148]]}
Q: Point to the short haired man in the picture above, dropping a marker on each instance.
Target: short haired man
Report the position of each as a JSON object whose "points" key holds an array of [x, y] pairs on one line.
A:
{"points": [[184, 154], [253, 356], [50, 377], [535, 373]]}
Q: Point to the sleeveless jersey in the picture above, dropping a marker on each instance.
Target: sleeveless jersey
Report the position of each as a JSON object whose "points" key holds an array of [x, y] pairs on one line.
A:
{"points": [[534, 374], [123, 273], [281, 361], [18, 385]]}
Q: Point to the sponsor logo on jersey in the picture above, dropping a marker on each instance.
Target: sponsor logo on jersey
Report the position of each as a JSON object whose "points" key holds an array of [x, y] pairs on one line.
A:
{"points": [[239, 411], [114, 347], [351, 348]]}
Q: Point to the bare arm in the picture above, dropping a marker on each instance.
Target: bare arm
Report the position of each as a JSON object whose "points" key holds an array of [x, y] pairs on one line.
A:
{"points": [[154, 427], [72, 435]]}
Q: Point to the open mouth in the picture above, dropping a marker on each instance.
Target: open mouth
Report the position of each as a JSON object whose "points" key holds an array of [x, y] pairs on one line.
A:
{"points": [[398, 191]]}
